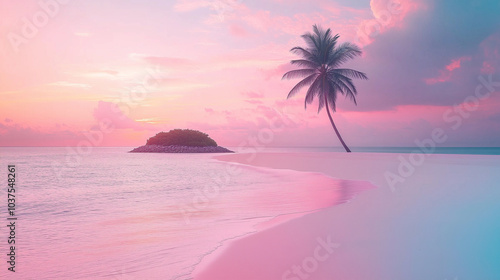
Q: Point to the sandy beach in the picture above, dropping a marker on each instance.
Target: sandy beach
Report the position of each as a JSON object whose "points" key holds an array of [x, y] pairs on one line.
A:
{"points": [[250, 140], [441, 222]]}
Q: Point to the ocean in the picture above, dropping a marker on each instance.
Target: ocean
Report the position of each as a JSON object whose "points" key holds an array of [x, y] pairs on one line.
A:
{"points": [[402, 150], [109, 214], [104, 213]]}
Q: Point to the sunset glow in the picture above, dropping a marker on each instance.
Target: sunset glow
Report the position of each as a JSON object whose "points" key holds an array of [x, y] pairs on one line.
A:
{"points": [[216, 66]]}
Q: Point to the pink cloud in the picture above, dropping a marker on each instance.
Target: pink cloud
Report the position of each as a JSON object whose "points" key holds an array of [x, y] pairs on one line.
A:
{"points": [[252, 94], [222, 9], [168, 62], [387, 14], [237, 30], [487, 68], [456, 63], [111, 113], [17, 135], [292, 102], [266, 21], [261, 57], [259, 20], [277, 71], [190, 5], [252, 118], [397, 9], [446, 74], [339, 10], [221, 63], [491, 52], [109, 72], [254, 102]]}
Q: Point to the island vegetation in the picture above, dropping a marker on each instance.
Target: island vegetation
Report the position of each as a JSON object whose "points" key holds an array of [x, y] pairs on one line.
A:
{"points": [[182, 137], [181, 141]]}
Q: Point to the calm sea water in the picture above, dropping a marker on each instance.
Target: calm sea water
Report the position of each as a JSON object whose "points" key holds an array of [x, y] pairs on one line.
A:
{"points": [[110, 214], [436, 150]]}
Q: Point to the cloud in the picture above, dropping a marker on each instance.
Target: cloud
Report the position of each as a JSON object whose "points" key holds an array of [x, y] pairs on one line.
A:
{"points": [[278, 71], [109, 112], [491, 52], [221, 8], [252, 58], [242, 19], [191, 5], [100, 74], [429, 61], [174, 84], [387, 15], [17, 135], [252, 94], [165, 61], [70, 84], [446, 74], [209, 110], [455, 64], [107, 72], [83, 34], [254, 102], [237, 30]]}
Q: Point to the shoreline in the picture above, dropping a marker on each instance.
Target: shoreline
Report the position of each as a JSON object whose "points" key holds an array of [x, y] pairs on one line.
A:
{"points": [[179, 149], [386, 231], [272, 205], [211, 267]]}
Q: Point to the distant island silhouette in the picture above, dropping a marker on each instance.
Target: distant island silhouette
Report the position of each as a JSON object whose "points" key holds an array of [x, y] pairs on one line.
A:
{"points": [[181, 141]]}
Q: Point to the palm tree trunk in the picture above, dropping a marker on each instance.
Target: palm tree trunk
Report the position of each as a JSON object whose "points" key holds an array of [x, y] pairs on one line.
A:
{"points": [[335, 127]]}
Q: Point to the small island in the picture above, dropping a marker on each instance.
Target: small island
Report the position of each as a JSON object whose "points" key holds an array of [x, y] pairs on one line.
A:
{"points": [[181, 141]]}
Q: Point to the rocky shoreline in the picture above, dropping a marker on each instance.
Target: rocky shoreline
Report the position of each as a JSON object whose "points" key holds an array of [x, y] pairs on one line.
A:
{"points": [[179, 149]]}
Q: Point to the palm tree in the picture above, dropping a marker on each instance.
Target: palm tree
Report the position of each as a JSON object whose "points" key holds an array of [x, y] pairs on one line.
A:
{"points": [[320, 64]]}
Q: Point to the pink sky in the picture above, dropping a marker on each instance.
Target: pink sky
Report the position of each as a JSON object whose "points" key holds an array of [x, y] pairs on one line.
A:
{"points": [[216, 65]]}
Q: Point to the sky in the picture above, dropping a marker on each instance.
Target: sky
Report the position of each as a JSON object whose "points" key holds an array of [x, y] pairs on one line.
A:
{"points": [[114, 73]]}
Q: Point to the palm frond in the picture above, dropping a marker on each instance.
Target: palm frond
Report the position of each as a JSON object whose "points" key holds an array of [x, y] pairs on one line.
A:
{"points": [[305, 63], [305, 82], [330, 45], [306, 54], [343, 53], [350, 73], [342, 80], [317, 30], [311, 41], [313, 90], [346, 87], [298, 73]]}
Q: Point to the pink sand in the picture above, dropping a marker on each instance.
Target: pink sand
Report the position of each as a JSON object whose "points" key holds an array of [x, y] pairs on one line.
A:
{"points": [[427, 227]]}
